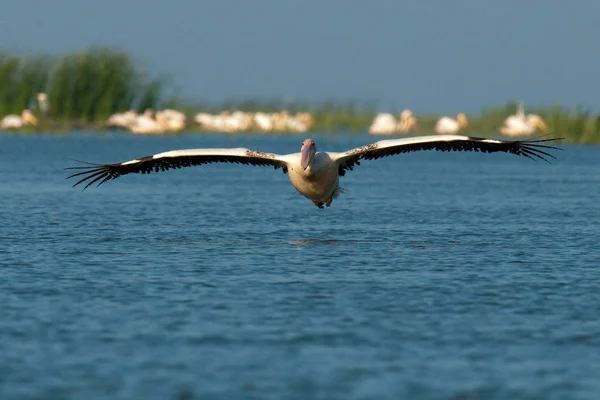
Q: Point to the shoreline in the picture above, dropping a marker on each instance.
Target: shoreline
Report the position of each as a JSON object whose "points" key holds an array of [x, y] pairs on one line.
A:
{"points": [[82, 90], [585, 134], [194, 130]]}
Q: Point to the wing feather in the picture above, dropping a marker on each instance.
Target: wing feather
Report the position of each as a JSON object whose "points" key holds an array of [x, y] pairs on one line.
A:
{"points": [[92, 173], [534, 148]]}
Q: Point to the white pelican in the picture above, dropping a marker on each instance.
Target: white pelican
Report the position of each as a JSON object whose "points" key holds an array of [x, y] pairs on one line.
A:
{"points": [[386, 123], [122, 120], [42, 99], [14, 121], [314, 174], [407, 124], [383, 124], [263, 121], [447, 125], [145, 124], [280, 120], [521, 124], [304, 121], [171, 120], [524, 126]]}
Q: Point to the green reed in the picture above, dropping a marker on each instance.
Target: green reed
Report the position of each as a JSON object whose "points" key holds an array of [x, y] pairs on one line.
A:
{"points": [[20, 80], [87, 86]]}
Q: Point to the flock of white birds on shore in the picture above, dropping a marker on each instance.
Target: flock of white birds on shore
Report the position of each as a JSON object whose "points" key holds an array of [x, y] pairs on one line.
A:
{"points": [[168, 120], [515, 125], [173, 121]]}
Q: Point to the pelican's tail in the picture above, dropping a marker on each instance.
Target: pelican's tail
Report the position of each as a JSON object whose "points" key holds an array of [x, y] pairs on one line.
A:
{"points": [[339, 191]]}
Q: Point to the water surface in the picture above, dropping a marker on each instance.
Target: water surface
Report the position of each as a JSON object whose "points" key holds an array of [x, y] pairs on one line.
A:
{"points": [[435, 276]]}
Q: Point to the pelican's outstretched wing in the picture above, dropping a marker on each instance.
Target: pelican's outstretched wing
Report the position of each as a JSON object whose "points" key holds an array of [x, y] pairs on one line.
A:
{"points": [[533, 149], [101, 173]]}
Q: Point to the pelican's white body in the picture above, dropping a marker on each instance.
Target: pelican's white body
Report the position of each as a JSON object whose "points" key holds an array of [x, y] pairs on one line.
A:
{"points": [[319, 181]]}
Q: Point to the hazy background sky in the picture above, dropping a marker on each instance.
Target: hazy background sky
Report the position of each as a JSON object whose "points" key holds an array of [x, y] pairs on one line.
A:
{"points": [[441, 56]]}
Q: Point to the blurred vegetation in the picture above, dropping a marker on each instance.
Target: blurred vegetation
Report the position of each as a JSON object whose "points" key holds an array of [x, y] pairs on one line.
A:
{"points": [[85, 88]]}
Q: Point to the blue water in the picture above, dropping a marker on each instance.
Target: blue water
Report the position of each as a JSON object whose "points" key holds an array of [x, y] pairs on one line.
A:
{"points": [[435, 276]]}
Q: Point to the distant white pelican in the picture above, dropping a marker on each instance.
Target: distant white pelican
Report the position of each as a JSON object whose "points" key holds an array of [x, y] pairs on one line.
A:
{"points": [[447, 125], [263, 121], [386, 123], [524, 127], [42, 99], [145, 124], [171, 120], [314, 174], [405, 114], [383, 124], [14, 121], [521, 124], [122, 120], [407, 124]]}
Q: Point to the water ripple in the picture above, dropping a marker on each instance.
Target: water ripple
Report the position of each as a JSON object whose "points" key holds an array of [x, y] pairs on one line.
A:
{"points": [[464, 276]]}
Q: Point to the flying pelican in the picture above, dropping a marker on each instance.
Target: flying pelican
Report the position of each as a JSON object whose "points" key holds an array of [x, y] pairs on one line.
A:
{"points": [[314, 174], [448, 125]]}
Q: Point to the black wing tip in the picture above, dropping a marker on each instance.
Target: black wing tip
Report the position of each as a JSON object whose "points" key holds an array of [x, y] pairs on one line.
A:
{"points": [[537, 140], [91, 173], [533, 148], [90, 166], [535, 151], [85, 162]]}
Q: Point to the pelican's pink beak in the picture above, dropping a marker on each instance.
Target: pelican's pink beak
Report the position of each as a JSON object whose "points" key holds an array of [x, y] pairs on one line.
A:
{"points": [[309, 149]]}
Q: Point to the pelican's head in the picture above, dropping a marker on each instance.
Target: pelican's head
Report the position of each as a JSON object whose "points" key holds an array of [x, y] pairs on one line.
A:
{"points": [[461, 118], [405, 115], [308, 151], [28, 117], [538, 122]]}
